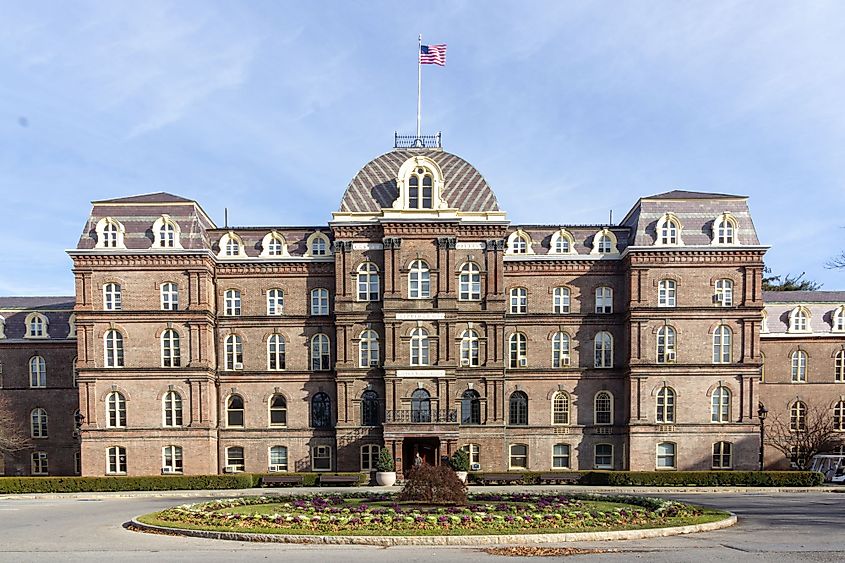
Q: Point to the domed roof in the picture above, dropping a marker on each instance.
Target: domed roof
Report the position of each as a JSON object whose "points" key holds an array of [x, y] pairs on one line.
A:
{"points": [[374, 187]]}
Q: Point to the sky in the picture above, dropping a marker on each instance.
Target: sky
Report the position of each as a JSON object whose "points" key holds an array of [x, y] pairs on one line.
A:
{"points": [[570, 109]]}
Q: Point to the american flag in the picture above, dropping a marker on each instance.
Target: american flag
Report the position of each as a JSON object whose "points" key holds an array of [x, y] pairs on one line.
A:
{"points": [[433, 54]]}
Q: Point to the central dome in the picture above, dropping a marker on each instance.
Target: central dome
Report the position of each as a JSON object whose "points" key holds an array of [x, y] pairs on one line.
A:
{"points": [[374, 187]]}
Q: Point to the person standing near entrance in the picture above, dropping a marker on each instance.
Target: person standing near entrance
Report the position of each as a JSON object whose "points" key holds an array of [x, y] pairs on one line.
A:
{"points": [[417, 459]]}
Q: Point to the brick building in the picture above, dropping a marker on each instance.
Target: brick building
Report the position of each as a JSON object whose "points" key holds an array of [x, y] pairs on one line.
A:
{"points": [[421, 320]]}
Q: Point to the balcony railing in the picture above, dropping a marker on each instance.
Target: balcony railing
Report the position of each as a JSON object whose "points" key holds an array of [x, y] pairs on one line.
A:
{"points": [[421, 416], [414, 142]]}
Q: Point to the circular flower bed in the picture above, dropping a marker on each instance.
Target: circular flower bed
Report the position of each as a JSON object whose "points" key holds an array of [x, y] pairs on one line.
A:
{"points": [[359, 514]]}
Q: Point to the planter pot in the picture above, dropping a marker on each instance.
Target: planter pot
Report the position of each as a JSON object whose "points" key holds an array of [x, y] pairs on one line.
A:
{"points": [[386, 478], [462, 475]]}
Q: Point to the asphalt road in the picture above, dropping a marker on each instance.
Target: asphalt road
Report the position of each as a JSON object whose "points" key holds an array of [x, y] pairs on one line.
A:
{"points": [[782, 527]]}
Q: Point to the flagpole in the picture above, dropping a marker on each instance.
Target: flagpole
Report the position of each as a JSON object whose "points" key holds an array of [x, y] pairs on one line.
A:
{"points": [[419, 88]]}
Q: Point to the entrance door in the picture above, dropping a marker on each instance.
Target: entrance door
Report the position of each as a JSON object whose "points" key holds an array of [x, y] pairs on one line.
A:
{"points": [[427, 448]]}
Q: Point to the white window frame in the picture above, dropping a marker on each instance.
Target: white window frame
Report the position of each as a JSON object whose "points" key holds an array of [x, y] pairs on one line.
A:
{"points": [[665, 406], [230, 410], [838, 324], [272, 408], [112, 297], [420, 347], [39, 463], [116, 460], [233, 351], [667, 341], [470, 348], [280, 453], [561, 409], [171, 349], [667, 292], [469, 282], [603, 350], [512, 456], [319, 302], [604, 300], [275, 302], [518, 301], [723, 295], [321, 353], [603, 416], [368, 282], [722, 345], [596, 456], [799, 320], [38, 424], [368, 348], [561, 348], [169, 296], [113, 349], [172, 408], [276, 352], [238, 463], [561, 300], [798, 416], [232, 302], [722, 457], [115, 410], [172, 458], [419, 280], [321, 452], [37, 372], [561, 459], [720, 405], [667, 459], [798, 362], [369, 456], [517, 350], [839, 367]]}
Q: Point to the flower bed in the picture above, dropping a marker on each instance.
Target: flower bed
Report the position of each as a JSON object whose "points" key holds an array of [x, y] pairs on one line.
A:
{"points": [[357, 514]]}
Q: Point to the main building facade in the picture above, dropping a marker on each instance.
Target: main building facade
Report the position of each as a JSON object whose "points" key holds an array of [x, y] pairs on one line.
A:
{"points": [[419, 319]]}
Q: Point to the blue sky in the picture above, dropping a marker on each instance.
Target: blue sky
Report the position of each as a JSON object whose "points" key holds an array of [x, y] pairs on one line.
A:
{"points": [[569, 109]]}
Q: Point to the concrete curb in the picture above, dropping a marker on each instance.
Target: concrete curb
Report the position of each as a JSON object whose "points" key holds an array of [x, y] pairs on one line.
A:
{"points": [[390, 541]]}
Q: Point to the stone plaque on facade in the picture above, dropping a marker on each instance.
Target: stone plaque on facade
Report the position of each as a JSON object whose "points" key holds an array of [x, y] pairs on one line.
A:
{"points": [[420, 373], [470, 246], [420, 316], [367, 246]]}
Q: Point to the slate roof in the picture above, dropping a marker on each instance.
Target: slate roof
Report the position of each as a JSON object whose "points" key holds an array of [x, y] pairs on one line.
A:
{"points": [[804, 296], [684, 194], [374, 187], [157, 197], [35, 303]]}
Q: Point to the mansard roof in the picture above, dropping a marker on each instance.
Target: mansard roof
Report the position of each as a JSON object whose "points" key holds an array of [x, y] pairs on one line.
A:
{"points": [[684, 194], [804, 296], [35, 303], [156, 197], [374, 187]]}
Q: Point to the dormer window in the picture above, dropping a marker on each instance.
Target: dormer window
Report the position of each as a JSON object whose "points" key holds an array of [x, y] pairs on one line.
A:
{"points": [[109, 233], [231, 246], [2, 327], [520, 245], [604, 242], [562, 243], [36, 326], [519, 242], [71, 326], [420, 182], [839, 319], [799, 320], [668, 230], [420, 186], [317, 245], [166, 233], [724, 229], [273, 245]]}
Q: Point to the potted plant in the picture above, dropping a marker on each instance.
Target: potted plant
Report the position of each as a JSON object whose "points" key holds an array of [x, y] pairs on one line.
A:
{"points": [[460, 463], [385, 468]]}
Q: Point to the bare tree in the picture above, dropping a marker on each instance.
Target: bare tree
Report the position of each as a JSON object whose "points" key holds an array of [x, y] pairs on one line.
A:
{"points": [[837, 262], [12, 436], [803, 433]]}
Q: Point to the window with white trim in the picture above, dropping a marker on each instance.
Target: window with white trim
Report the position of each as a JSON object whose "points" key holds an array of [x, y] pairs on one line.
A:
{"points": [[113, 349], [722, 344], [39, 463], [171, 459], [724, 293], [666, 345], [469, 348], [171, 355], [112, 297], [369, 349], [38, 423], [839, 416], [560, 408], [321, 458], [115, 410], [798, 417], [799, 320], [320, 353], [603, 456], [518, 350], [839, 367], [368, 282], [276, 352], [560, 350], [419, 280], [167, 236], [319, 245], [604, 300], [666, 457], [667, 291], [720, 405], [603, 408], [603, 348], [369, 456], [116, 460], [234, 412], [474, 453], [278, 458], [561, 456], [109, 233], [722, 455], [560, 300], [232, 246], [469, 282], [519, 245], [668, 231], [319, 301], [233, 350], [838, 324], [724, 229], [172, 407], [419, 347], [665, 406], [169, 296], [519, 301], [275, 302], [799, 366], [232, 303], [518, 456], [562, 242], [37, 372], [278, 410], [235, 460]]}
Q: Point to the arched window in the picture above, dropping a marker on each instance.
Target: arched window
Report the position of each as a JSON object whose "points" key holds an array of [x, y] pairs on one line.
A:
{"points": [[666, 351], [419, 280], [71, 326], [604, 242], [320, 301], [419, 347], [764, 323], [562, 242], [519, 245], [470, 407], [799, 366], [116, 460], [603, 408], [235, 462], [171, 459], [560, 300], [273, 245], [667, 291], [722, 458], [369, 350], [665, 406], [170, 352], [519, 301], [469, 282], [560, 350], [112, 297], [724, 229], [37, 372], [234, 352], [320, 353], [321, 411], [232, 302], [604, 300], [798, 416], [666, 455], [799, 320], [370, 411], [724, 295], [469, 348], [36, 326], [113, 349], [420, 406], [369, 456], [169, 296], [278, 410], [167, 235], [109, 233], [235, 411], [276, 352], [278, 459], [518, 411], [839, 416], [318, 244], [275, 302], [232, 246], [560, 408], [720, 405], [115, 410], [722, 338], [839, 367], [838, 324], [603, 348], [518, 350], [420, 185], [668, 231], [368, 282], [172, 409], [38, 427], [75, 371]]}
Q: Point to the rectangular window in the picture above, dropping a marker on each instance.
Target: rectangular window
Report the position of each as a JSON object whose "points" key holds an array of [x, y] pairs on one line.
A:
{"points": [[39, 463], [722, 455], [321, 458], [235, 459], [369, 456], [560, 456], [560, 301], [519, 456], [474, 453], [603, 456], [116, 460], [666, 455], [171, 459], [278, 458], [604, 300]]}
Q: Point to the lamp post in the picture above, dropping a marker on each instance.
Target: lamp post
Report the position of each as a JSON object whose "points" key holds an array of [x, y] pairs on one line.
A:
{"points": [[761, 415]]}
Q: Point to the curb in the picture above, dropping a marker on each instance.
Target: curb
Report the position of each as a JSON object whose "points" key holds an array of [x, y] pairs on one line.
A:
{"points": [[391, 541]]}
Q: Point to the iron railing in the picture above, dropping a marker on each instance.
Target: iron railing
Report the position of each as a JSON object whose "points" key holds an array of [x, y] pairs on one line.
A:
{"points": [[415, 416], [415, 142]]}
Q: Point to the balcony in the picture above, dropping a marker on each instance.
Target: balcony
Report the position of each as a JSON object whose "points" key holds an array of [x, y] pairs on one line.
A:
{"points": [[421, 416]]}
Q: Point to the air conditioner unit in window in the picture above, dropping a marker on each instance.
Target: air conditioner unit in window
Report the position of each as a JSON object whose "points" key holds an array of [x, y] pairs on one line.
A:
{"points": [[277, 468], [670, 356], [168, 470], [523, 362], [475, 467], [239, 365], [232, 469], [464, 361], [373, 363]]}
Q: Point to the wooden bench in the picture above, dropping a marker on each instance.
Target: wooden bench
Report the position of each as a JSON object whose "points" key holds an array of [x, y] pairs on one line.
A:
{"points": [[500, 478], [277, 480], [557, 478], [339, 479]]}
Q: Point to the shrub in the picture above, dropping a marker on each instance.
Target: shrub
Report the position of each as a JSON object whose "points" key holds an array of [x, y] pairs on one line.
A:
{"points": [[460, 461], [704, 478], [384, 463], [433, 484]]}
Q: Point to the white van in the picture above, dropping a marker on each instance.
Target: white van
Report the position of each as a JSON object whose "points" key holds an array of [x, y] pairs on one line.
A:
{"points": [[831, 465]]}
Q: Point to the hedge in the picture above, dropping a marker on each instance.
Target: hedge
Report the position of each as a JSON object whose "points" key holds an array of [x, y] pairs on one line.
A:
{"points": [[681, 478], [12, 485]]}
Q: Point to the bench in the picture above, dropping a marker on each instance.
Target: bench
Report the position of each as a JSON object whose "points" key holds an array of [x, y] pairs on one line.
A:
{"points": [[557, 478], [500, 478], [339, 479], [276, 480]]}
